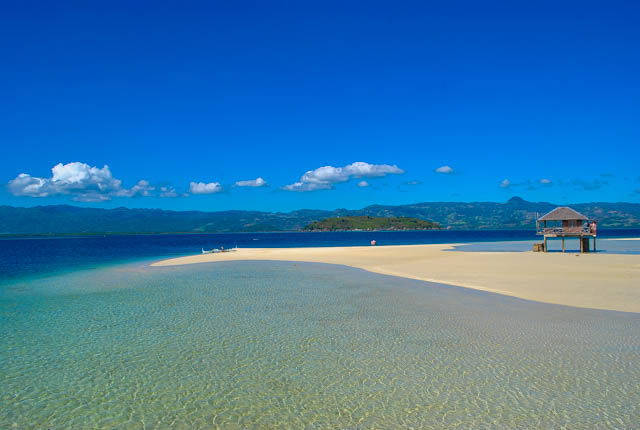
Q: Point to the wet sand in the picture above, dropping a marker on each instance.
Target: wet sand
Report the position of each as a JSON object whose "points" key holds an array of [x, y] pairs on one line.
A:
{"points": [[597, 281]]}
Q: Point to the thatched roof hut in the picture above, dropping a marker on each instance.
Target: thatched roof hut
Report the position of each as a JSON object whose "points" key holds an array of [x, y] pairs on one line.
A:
{"points": [[563, 213], [573, 224]]}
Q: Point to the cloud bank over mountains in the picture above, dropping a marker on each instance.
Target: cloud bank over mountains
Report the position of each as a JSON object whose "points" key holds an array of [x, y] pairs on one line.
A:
{"points": [[85, 183], [93, 184]]}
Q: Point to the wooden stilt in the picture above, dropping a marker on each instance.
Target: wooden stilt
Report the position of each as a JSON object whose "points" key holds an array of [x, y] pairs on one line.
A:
{"points": [[594, 244], [562, 243], [545, 244], [581, 245]]}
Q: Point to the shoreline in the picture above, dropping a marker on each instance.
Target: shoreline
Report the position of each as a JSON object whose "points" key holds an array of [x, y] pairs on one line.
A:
{"points": [[602, 233], [594, 281]]}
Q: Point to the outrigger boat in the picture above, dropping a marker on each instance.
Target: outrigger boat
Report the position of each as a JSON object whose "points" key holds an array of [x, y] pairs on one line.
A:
{"points": [[213, 251], [216, 250]]}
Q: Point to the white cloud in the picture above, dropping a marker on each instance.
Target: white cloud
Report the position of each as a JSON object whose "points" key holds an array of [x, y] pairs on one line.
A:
{"points": [[447, 170], [361, 169], [324, 177], [363, 184], [545, 181], [142, 188], [505, 183], [202, 188], [258, 182], [84, 182], [302, 186], [27, 185], [168, 192]]}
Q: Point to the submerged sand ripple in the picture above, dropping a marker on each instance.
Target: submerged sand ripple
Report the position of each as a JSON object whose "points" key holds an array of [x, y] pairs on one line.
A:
{"points": [[291, 345], [598, 281]]}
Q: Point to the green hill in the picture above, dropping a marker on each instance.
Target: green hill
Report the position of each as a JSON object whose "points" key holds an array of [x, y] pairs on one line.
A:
{"points": [[370, 223]]}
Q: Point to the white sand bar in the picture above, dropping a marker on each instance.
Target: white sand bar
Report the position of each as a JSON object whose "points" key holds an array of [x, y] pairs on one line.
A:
{"points": [[596, 281]]}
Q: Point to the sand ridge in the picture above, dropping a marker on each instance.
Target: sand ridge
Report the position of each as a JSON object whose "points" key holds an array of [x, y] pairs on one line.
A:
{"points": [[597, 281]]}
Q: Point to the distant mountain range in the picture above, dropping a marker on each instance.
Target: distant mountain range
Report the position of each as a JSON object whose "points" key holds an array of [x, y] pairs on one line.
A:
{"points": [[514, 214]]}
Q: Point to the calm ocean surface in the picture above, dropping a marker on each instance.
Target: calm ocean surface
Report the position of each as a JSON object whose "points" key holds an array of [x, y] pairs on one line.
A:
{"points": [[91, 336], [43, 256]]}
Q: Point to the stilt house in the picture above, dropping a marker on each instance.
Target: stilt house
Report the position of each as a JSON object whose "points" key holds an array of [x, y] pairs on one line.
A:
{"points": [[565, 222]]}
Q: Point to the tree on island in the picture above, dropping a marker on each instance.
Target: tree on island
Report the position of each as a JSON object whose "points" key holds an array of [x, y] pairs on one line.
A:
{"points": [[370, 223]]}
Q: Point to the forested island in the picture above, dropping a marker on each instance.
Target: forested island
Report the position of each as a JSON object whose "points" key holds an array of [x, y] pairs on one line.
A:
{"points": [[370, 223]]}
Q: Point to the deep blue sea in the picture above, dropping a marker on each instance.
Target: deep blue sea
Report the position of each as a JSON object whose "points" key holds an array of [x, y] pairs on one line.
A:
{"points": [[42, 256]]}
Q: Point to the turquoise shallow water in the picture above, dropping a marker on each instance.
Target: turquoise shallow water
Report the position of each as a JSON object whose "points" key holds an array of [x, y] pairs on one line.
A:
{"points": [[264, 344]]}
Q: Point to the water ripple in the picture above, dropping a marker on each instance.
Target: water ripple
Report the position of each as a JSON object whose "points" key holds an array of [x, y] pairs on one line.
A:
{"points": [[262, 345]]}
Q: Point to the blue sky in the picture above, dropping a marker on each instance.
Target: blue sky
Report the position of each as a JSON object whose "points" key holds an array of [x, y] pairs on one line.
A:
{"points": [[182, 100]]}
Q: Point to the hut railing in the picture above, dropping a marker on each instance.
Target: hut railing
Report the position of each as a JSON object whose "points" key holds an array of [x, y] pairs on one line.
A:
{"points": [[563, 230]]}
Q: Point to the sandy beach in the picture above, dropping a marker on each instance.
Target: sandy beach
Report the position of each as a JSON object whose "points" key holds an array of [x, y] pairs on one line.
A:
{"points": [[597, 281]]}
